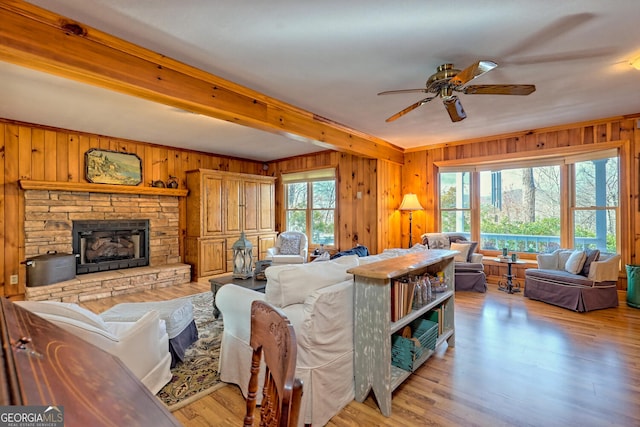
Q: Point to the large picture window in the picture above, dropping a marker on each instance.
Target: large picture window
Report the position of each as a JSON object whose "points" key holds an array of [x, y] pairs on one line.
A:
{"points": [[535, 208], [310, 205], [520, 209]]}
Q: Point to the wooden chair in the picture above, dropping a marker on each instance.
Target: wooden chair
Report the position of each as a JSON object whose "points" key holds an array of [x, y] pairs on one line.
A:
{"points": [[273, 336]]}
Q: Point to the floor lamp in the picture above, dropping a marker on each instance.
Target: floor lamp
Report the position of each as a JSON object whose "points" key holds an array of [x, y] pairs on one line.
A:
{"points": [[410, 203]]}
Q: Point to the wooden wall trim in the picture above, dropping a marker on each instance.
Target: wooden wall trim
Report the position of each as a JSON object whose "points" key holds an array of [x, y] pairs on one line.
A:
{"points": [[523, 156], [524, 133]]}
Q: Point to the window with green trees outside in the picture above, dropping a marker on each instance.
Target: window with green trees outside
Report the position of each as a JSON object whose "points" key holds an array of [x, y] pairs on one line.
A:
{"points": [[524, 208], [310, 205]]}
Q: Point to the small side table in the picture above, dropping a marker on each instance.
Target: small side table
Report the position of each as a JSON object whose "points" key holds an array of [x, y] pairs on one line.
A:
{"points": [[508, 284], [218, 282]]}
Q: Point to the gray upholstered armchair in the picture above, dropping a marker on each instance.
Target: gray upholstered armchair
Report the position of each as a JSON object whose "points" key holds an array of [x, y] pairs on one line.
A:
{"points": [[469, 270], [292, 247]]}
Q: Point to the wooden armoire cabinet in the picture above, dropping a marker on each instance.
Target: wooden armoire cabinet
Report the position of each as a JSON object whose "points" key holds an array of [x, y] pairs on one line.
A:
{"points": [[221, 205]]}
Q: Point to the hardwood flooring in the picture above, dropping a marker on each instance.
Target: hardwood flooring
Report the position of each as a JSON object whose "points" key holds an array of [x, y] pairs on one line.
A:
{"points": [[516, 362]]}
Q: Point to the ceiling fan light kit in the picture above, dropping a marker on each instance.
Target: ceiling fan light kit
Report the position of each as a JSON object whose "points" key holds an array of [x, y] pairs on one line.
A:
{"points": [[447, 80], [454, 108]]}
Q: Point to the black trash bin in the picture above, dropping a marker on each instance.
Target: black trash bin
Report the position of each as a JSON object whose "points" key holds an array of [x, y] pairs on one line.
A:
{"points": [[633, 286]]}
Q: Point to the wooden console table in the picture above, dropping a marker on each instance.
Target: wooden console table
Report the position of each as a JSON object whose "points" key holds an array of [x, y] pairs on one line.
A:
{"points": [[372, 321], [45, 365]]}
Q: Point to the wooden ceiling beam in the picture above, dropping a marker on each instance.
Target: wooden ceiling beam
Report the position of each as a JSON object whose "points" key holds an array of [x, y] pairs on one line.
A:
{"points": [[44, 41]]}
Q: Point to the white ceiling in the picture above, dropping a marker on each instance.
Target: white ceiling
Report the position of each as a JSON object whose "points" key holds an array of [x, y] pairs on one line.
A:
{"points": [[333, 57]]}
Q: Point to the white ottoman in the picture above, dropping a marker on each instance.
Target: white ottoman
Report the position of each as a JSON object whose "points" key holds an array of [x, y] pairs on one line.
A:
{"points": [[178, 317]]}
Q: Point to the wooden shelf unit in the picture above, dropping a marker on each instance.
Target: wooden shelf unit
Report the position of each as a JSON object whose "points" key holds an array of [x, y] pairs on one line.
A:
{"points": [[372, 320]]}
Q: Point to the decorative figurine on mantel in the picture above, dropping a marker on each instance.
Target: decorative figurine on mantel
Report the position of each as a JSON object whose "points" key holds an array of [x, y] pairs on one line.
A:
{"points": [[242, 258]]}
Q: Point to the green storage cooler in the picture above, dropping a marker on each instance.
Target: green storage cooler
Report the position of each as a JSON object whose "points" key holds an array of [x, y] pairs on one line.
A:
{"points": [[633, 286]]}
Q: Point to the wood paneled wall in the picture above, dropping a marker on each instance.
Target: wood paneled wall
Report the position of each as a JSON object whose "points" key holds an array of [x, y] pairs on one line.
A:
{"points": [[43, 153], [419, 173], [367, 192]]}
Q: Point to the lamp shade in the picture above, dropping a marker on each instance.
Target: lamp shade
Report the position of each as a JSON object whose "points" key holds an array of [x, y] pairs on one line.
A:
{"points": [[410, 203]]}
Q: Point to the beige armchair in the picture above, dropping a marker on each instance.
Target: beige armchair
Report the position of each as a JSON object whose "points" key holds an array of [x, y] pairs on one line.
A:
{"points": [[292, 247], [142, 346]]}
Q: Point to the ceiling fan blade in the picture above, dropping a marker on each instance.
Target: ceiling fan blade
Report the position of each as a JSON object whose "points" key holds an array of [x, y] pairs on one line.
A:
{"points": [[391, 92], [409, 109], [576, 55], [454, 108], [499, 89], [471, 72], [546, 35]]}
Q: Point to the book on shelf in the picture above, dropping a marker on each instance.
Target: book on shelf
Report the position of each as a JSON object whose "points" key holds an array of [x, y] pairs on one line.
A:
{"points": [[435, 315], [401, 299]]}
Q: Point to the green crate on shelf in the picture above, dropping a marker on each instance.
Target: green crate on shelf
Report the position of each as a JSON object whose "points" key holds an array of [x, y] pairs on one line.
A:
{"points": [[406, 351]]}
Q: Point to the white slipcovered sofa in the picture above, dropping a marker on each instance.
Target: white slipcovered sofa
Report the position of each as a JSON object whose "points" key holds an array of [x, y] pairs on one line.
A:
{"points": [[142, 346], [317, 298]]}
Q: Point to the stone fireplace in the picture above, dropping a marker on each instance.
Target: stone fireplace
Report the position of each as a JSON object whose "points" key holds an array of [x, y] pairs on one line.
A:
{"points": [[104, 245], [137, 249]]}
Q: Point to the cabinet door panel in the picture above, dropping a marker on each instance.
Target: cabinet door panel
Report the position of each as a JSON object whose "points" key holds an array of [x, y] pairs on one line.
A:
{"points": [[265, 242], [233, 199], [212, 199], [212, 259], [251, 206], [266, 209]]}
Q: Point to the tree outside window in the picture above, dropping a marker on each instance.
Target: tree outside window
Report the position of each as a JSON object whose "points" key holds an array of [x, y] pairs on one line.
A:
{"points": [[521, 209], [310, 209]]}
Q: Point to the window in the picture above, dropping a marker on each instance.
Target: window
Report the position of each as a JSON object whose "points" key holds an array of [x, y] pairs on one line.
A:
{"points": [[310, 205], [520, 209], [455, 201], [523, 207], [595, 204]]}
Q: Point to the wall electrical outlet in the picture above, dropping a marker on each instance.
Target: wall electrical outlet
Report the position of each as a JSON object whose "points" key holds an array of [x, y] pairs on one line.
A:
{"points": [[13, 279]]}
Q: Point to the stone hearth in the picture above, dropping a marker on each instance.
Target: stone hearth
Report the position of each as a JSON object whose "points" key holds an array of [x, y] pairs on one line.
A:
{"points": [[111, 283]]}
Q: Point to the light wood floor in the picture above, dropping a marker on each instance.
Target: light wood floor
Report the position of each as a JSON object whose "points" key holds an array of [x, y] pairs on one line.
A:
{"points": [[516, 362]]}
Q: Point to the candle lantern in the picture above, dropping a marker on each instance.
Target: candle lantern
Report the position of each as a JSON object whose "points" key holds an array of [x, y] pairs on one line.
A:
{"points": [[242, 258]]}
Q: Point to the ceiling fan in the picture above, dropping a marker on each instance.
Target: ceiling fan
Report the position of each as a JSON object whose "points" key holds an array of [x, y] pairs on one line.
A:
{"points": [[447, 80]]}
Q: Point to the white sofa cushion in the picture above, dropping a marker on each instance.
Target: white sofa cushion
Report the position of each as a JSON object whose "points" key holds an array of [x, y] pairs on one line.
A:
{"points": [[291, 284]]}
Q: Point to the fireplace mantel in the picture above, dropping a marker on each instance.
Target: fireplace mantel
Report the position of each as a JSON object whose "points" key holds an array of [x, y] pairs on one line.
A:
{"points": [[27, 184]]}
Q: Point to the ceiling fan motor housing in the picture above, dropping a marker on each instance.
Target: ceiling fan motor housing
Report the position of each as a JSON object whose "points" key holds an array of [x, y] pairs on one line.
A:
{"points": [[441, 77]]}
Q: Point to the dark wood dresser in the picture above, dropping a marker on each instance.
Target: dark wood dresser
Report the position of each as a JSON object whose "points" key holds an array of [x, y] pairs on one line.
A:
{"points": [[43, 364]]}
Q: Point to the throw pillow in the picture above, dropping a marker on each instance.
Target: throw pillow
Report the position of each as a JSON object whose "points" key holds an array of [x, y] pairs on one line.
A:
{"points": [[575, 262], [472, 249], [437, 241], [463, 249], [592, 255], [289, 244]]}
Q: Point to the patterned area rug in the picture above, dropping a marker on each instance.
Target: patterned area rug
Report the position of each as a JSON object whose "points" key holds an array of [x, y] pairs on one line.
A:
{"points": [[197, 375]]}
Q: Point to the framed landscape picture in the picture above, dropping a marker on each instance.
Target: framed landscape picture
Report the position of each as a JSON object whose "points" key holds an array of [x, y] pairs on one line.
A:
{"points": [[112, 167]]}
